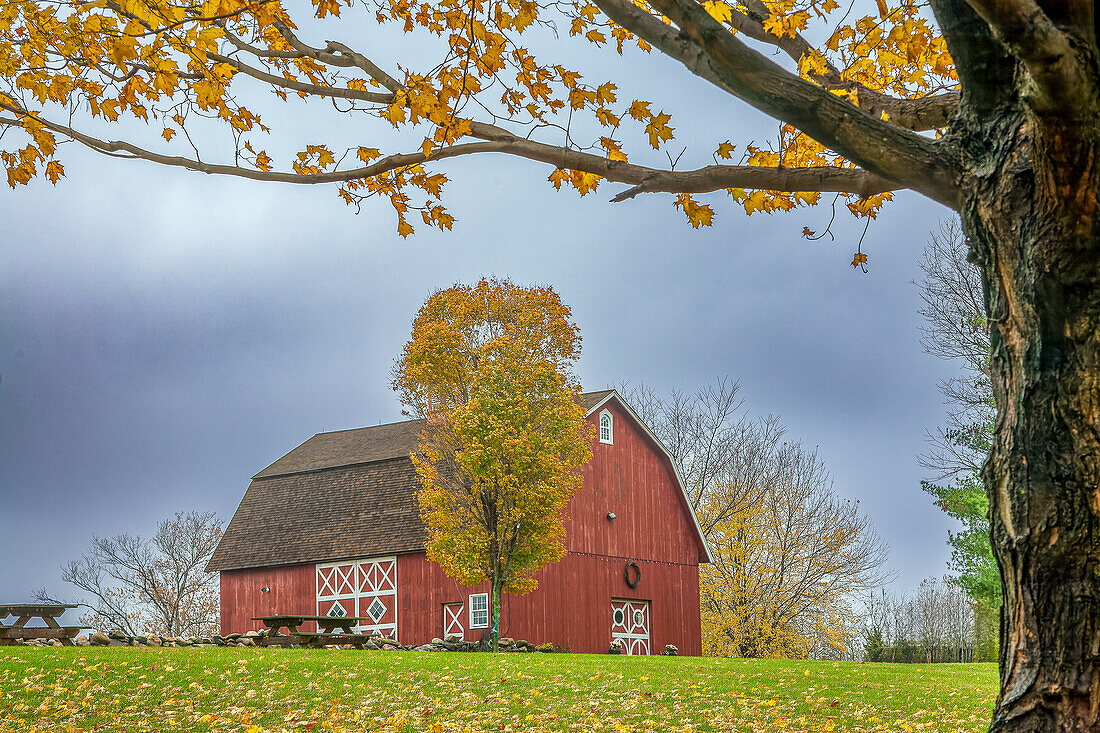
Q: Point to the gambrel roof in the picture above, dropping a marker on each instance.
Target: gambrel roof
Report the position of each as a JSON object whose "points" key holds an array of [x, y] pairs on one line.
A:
{"points": [[341, 495]]}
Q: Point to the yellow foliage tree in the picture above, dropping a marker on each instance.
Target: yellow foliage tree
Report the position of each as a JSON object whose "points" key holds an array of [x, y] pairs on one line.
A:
{"points": [[787, 565], [488, 367], [989, 107]]}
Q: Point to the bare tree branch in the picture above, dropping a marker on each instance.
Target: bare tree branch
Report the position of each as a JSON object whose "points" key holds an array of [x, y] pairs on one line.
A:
{"points": [[320, 91]]}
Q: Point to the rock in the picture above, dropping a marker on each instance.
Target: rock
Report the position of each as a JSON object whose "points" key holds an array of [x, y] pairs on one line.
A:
{"points": [[232, 637], [437, 641], [246, 641], [153, 640], [82, 641], [616, 647], [452, 638], [184, 642], [99, 639], [670, 650], [252, 634]]}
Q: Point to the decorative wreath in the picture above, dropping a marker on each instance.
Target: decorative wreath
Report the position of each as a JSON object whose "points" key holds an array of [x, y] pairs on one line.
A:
{"points": [[632, 579]]}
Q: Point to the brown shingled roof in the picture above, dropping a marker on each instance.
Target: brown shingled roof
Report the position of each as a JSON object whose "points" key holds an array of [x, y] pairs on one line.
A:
{"points": [[338, 495]]}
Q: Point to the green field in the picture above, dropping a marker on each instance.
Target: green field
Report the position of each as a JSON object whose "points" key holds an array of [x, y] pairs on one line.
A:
{"points": [[250, 691]]}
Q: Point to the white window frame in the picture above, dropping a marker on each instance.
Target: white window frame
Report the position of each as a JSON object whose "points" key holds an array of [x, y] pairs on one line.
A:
{"points": [[473, 610], [610, 440]]}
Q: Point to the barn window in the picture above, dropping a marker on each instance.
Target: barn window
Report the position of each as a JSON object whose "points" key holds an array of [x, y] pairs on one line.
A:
{"points": [[337, 611], [479, 611], [607, 428], [376, 610]]}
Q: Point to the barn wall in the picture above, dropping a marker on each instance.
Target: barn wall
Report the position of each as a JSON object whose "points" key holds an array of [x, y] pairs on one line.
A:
{"points": [[293, 590], [572, 605], [653, 526], [634, 480], [631, 478]]}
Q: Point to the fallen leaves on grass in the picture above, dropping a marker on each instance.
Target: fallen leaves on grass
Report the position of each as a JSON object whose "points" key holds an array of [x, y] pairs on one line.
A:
{"points": [[297, 691]]}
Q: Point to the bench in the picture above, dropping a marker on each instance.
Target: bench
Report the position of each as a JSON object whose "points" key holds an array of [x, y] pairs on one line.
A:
{"points": [[318, 638]]}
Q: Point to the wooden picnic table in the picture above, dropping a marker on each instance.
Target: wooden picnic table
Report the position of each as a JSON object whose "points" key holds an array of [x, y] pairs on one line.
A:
{"points": [[326, 629], [24, 612]]}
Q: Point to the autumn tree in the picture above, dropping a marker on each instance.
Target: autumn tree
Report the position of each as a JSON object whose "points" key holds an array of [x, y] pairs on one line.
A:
{"points": [[488, 367], [787, 566], [789, 556], [157, 585], [956, 329], [996, 119]]}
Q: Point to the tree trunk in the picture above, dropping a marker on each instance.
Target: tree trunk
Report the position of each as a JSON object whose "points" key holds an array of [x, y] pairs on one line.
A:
{"points": [[494, 606], [1033, 227]]}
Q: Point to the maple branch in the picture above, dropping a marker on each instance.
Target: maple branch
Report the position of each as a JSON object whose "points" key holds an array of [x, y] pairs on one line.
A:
{"points": [[902, 156], [1063, 81], [299, 86], [344, 57], [497, 140], [334, 54], [985, 69], [703, 180], [925, 113]]}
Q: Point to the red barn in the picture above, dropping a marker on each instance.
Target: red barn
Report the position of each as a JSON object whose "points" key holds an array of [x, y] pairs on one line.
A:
{"points": [[333, 527]]}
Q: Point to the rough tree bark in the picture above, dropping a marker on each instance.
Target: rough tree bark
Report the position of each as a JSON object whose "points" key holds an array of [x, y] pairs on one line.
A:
{"points": [[1027, 152]]}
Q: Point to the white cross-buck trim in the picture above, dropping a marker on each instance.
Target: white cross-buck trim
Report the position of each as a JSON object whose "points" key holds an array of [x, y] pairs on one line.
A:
{"points": [[365, 588]]}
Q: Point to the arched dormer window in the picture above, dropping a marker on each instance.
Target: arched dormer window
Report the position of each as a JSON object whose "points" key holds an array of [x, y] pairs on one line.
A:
{"points": [[607, 428]]}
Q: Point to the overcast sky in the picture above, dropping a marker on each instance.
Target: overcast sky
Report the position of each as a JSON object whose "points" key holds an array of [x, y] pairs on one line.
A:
{"points": [[165, 335]]}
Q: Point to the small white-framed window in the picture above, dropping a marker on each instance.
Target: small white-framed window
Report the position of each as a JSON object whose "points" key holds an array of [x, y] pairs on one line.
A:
{"points": [[607, 428], [479, 611]]}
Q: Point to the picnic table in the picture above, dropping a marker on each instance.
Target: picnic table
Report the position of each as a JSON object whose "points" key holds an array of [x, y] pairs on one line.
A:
{"points": [[326, 630], [24, 612]]}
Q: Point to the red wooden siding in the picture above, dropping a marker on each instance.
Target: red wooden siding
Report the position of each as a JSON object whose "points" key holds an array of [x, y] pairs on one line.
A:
{"points": [[572, 605], [293, 589], [634, 480]]}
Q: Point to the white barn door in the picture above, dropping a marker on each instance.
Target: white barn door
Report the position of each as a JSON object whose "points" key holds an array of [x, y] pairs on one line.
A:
{"points": [[630, 624], [453, 620], [364, 588]]}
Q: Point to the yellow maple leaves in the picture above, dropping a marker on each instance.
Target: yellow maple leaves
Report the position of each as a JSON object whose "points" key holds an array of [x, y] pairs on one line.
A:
{"points": [[488, 366], [170, 64]]}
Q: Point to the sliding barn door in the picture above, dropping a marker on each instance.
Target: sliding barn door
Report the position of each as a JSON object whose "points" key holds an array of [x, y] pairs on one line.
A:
{"points": [[362, 588]]}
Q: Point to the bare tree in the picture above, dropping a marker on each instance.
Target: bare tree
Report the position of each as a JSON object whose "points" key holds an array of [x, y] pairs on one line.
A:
{"points": [[956, 328], [937, 615], [723, 454], [158, 585]]}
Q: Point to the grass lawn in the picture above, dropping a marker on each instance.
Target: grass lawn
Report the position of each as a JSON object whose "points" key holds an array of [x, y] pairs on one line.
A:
{"points": [[250, 691]]}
